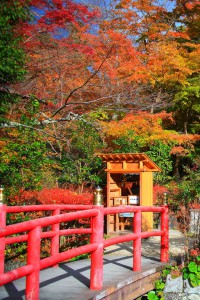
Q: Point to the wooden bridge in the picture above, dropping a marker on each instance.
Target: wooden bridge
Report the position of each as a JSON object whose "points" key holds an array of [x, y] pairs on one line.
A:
{"points": [[95, 271]]}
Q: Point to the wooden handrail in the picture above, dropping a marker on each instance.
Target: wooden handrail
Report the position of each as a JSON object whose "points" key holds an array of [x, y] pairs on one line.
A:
{"points": [[96, 213]]}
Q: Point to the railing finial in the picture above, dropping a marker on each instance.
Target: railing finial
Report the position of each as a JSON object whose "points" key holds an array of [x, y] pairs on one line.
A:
{"points": [[2, 195], [98, 196], [165, 198]]}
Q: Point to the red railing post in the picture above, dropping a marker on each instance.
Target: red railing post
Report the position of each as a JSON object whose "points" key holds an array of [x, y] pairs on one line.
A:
{"points": [[2, 239], [97, 225], [164, 251], [55, 242], [33, 258], [137, 223]]}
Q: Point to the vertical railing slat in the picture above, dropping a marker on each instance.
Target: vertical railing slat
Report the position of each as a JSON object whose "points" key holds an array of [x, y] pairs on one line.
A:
{"points": [[56, 239], [164, 243], [97, 224], [137, 242]]}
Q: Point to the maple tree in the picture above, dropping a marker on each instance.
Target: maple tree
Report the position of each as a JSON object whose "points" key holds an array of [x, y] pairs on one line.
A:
{"points": [[60, 55], [86, 68], [152, 134], [164, 55], [76, 79], [138, 50]]}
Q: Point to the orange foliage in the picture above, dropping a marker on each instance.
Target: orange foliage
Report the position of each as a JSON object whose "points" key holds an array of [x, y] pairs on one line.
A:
{"points": [[141, 124], [149, 127], [178, 150]]}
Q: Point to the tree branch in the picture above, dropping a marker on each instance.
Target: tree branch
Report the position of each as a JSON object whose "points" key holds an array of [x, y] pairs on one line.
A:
{"points": [[82, 85], [70, 117]]}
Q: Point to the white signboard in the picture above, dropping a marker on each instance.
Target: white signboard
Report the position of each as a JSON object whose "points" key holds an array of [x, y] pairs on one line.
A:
{"points": [[134, 199]]}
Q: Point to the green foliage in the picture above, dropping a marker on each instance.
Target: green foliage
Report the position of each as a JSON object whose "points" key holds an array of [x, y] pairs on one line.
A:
{"points": [[166, 271], [82, 256], [187, 108], [129, 143], [99, 114], [159, 153], [106, 115], [157, 293], [159, 285], [12, 56], [185, 192], [6, 100], [16, 251], [79, 165], [192, 272], [23, 159], [152, 296]]}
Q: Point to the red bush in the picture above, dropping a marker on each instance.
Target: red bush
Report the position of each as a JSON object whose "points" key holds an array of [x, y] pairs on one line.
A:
{"points": [[62, 196], [51, 196], [158, 193], [24, 197]]}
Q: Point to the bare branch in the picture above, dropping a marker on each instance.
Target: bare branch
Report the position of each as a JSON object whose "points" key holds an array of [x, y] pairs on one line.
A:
{"points": [[82, 85], [70, 117]]}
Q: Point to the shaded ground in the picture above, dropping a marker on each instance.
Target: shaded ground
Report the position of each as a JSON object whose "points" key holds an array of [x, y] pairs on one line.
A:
{"points": [[151, 246]]}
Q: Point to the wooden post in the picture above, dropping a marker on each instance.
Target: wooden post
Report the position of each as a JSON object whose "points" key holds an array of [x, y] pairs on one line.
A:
{"points": [[96, 271], [33, 258], [164, 251]]}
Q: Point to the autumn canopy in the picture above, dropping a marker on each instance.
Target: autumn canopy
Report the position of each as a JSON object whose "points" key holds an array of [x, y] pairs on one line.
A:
{"points": [[80, 77]]}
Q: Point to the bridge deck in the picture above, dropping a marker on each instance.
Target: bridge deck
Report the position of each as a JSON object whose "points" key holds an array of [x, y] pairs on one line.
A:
{"points": [[70, 281]]}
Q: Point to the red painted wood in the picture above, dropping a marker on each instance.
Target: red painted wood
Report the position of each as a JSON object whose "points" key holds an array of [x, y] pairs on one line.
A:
{"points": [[127, 208], [137, 224], [48, 234], [63, 256], [16, 274], [96, 271], [96, 246], [164, 251], [33, 259], [2, 239], [55, 241], [47, 221], [15, 209]]}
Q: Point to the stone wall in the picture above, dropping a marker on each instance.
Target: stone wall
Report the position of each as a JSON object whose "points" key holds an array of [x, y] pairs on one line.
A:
{"points": [[195, 221], [179, 289]]}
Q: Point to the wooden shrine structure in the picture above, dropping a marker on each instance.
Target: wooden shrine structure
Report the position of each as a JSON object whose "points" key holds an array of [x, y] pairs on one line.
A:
{"points": [[129, 182]]}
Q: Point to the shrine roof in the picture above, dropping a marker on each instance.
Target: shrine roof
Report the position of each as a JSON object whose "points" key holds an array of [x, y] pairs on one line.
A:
{"points": [[129, 157]]}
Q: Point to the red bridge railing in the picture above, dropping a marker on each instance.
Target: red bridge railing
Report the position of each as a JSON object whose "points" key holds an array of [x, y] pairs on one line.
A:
{"points": [[32, 233]]}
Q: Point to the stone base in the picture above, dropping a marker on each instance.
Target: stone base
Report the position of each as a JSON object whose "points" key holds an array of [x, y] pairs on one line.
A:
{"points": [[179, 289]]}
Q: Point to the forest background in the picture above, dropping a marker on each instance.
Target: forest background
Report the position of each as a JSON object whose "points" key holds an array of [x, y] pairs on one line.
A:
{"points": [[82, 77]]}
